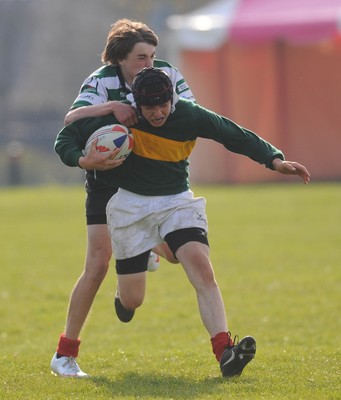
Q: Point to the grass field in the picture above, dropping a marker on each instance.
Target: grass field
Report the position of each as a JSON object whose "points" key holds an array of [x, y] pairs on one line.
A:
{"points": [[276, 250]]}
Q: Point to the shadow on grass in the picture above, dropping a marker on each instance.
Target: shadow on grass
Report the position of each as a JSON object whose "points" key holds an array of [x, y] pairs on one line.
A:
{"points": [[132, 384]]}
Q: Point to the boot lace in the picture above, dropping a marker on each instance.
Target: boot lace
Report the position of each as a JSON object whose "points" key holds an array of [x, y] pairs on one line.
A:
{"points": [[71, 364], [234, 341]]}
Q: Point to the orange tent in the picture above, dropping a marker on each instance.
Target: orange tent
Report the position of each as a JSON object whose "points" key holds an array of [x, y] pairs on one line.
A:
{"points": [[273, 67]]}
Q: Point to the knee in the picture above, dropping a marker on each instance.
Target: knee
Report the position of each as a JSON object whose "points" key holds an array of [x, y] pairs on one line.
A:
{"points": [[131, 302], [204, 276], [101, 271], [207, 275], [97, 267]]}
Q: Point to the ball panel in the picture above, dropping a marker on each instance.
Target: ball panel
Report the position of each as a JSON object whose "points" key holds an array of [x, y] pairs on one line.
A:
{"points": [[111, 137]]}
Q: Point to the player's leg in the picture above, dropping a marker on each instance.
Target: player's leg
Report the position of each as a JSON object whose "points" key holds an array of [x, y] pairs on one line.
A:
{"points": [[232, 357], [96, 266], [194, 257], [165, 252], [193, 253], [98, 255], [131, 289], [162, 250], [131, 285], [131, 233]]}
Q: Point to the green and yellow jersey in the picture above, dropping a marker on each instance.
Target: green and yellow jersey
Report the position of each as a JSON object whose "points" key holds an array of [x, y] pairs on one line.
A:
{"points": [[158, 164]]}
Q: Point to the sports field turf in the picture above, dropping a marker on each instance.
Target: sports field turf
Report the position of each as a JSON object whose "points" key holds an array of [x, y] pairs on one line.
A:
{"points": [[276, 250]]}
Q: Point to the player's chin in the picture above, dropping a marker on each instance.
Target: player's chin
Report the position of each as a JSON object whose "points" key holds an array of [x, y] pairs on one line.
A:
{"points": [[157, 122]]}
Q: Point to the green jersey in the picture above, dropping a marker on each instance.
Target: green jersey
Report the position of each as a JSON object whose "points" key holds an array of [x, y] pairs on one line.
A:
{"points": [[158, 164]]}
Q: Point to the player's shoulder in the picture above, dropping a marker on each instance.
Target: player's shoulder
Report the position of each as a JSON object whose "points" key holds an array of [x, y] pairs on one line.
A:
{"points": [[186, 104], [192, 111], [173, 73], [162, 64], [166, 66], [106, 71]]}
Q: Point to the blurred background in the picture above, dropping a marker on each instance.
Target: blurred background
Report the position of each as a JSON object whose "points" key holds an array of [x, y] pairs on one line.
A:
{"points": [[272, 66]]}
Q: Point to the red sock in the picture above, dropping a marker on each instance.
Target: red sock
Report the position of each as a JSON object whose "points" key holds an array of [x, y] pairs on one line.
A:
{"points": [[68, 347], [219, 343]]}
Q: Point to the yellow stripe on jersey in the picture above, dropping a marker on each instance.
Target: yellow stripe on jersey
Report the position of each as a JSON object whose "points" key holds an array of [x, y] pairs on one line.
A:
{"points": [[161, 149]]}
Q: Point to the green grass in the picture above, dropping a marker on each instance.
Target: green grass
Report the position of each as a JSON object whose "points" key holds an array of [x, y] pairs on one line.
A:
{"points": [[276, 250]]}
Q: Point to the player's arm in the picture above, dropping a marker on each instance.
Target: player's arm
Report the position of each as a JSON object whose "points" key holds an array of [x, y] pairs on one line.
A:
{"points": [[243, 141], [93, 101], [124, 113], [71, 140]]}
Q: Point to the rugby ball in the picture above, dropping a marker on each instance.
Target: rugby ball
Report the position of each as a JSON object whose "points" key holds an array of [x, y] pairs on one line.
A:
{"points": [[111, 137]]}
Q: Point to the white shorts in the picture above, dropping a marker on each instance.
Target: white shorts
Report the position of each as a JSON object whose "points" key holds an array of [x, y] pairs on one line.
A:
{"points": [[138, 223]]}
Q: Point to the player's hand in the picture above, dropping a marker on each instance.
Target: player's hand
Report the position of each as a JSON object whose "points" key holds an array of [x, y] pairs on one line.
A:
{"points": [[96, 160], [125, 113], [291, 168]]}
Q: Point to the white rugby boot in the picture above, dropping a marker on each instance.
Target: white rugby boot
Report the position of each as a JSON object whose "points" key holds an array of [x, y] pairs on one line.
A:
{"points": [[154, 262], [66, 367]]}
